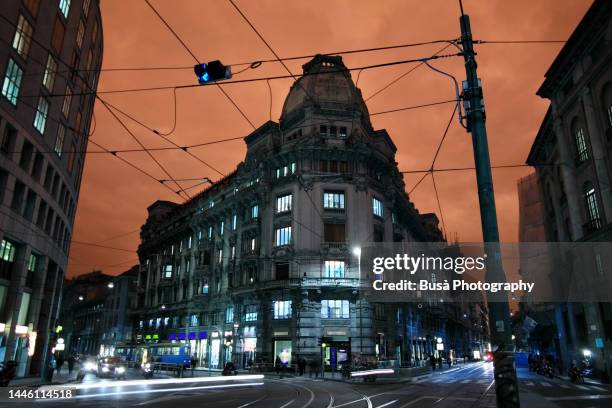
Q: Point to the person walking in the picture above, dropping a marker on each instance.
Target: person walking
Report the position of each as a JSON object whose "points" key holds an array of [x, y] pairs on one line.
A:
{"points": [[51, 368], [192, 363], [70, 364], [60, 363], [432, 360]]}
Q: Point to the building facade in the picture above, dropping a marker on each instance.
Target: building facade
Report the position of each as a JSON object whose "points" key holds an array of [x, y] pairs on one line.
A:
{"points": [[48, 51], [264, 265], [571, 155]]}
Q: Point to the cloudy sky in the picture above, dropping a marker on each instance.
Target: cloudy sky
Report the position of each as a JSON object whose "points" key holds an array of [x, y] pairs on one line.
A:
{"points": [[114, 196]]}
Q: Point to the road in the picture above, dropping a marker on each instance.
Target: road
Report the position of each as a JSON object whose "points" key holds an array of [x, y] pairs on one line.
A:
{"points": [[457, 388]]}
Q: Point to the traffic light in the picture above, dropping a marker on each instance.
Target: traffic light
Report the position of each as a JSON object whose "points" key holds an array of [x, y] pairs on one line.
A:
{"points": [[212, 72]]}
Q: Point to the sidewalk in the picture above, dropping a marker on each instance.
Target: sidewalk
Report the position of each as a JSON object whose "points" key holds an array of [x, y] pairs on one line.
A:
{"points": [[62, 378]]}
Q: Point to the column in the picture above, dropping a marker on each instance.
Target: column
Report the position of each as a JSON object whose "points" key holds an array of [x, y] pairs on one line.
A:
{"points": [[569, 176], [599, 150], [36, 300]]}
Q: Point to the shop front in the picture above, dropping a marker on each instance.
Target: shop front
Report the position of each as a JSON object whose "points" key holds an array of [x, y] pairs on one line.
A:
{"points": [[249, 346], [337, 350], [282, 349]]}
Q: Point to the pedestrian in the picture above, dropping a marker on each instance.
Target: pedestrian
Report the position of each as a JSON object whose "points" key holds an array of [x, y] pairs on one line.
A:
{"points": [[60, 363], [277, 365], [301, 365], [192, 363], [432, 360], [51, 368], [440, 362], [70, 364]]}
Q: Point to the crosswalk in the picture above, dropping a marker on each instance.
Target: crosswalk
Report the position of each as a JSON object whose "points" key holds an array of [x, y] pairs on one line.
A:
{"points": [[527, 383]]}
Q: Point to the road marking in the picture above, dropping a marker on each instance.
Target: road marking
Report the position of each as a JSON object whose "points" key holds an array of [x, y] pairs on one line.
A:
{"points": [[465, 381], [529, 383], [331, 400], [349, 403], [386, 404], [597, 388], [287, 404], [565, 386], [576, 397], [419, 399], [545, 384], [252, 402]]}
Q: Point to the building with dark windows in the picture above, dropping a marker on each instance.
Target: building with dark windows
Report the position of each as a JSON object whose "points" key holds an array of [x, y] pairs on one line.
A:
{"points": [[571, 154], [264, 264], [47, 48]]}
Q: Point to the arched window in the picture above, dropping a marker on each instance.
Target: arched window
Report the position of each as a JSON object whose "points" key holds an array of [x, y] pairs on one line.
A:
{"points": [[592, 208], [582, 152]]}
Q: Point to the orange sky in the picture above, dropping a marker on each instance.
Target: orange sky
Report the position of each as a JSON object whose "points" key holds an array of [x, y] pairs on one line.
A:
{"points": [[114, 197]]}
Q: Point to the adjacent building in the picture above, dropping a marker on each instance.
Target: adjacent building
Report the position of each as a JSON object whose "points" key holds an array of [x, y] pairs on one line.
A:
{"points": [[264, 265], [49, 50], [571, 155]]}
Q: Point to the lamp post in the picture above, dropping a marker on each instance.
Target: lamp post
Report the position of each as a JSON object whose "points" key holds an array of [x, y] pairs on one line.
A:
{"points": [[357, 253]]}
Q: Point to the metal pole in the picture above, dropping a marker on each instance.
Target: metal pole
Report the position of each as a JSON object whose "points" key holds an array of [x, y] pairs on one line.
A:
{"points": [[506, 385]]}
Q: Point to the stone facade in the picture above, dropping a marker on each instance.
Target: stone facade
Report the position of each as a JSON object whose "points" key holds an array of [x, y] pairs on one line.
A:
{"points": [[571, 154], [264, 265], [41, 135]]}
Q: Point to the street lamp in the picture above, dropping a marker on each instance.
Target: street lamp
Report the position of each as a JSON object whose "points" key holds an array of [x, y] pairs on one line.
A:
{"points": [[81, 298], [163, 307], [110, 285]]}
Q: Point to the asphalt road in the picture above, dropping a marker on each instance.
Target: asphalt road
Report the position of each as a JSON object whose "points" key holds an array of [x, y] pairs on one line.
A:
{"points": [[457, 388]]}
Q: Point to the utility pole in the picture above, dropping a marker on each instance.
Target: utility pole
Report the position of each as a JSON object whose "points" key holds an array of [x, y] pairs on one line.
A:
{"points": [[506, 385]]}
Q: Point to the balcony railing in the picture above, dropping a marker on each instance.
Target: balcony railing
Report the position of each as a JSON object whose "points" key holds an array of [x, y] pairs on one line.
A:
{"points": [[334, 246], [296, 283]]}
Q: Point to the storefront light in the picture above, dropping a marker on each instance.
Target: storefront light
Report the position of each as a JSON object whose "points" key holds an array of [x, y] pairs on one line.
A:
{"points": [[21, 329], [2, 327]]}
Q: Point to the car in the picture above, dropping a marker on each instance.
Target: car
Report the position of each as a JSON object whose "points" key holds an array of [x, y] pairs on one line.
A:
{"points": [[488, 356], [111, 367]]}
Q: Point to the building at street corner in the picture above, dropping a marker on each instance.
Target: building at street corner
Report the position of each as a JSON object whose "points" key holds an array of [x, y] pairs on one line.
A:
{"points": [[47, 48], [571, 154], [264, 264]]}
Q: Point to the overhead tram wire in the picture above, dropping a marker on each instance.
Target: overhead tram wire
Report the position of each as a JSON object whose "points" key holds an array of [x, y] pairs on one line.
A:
{"points": [[229, 139], [166, 139], [198, 62], [345, 52], [45, 48], [164, 170], [242, 81]]}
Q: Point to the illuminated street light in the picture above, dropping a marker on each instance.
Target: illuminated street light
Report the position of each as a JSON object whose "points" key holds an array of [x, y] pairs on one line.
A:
{"points": [[110, 285], [163, 307], [357, 251], [81, 297]]}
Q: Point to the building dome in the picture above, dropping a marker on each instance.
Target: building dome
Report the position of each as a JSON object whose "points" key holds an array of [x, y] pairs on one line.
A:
{"points": [[326, 84]]}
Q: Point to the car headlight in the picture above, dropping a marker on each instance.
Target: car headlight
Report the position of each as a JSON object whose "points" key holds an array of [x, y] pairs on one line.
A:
{"points": [[120, 370], [89, 366], [105, 369]]}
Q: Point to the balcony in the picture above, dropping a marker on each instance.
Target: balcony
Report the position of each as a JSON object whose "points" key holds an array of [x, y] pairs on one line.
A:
{"points": [[592, 226], [297, 283], [334, 247]]}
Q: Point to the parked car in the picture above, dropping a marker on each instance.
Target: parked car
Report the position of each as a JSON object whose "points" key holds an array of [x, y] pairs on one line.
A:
{"points": [[111, 367]]}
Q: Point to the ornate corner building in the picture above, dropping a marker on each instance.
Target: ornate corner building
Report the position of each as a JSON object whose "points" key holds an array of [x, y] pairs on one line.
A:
{"points": [[50, 53], [264, 264]]}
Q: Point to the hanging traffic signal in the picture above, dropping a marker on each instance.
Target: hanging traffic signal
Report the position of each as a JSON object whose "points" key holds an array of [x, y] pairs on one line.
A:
{"points": [[212, 72]]}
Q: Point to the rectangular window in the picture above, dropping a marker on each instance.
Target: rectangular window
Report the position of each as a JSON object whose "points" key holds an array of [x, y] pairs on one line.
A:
{"points": [[610, 115], [377, 207], [283, 203], [32, 6], [323, 130], [193, 320], [189, 242], [210, 232], [59, 139], [250, 313], [86, 7], [9, 137], [32, 263], [253, 244], [581, 147], [67, 102], [18, 194], [80, 34], [255, 212], [12, 81], [234, 222], [282, 309], [50, 71], [333, 131], [220, 256], [333, 200], [229, 314], [222, 228], [23, 37], [334, 309], [393, 218], [40, 120], [7, 251], [64, 6], [342, 132], [168, 271], [71, 158], [233, 252], [334, 232], [57, 36], [283, 236], [282, 270], [334, 269]]}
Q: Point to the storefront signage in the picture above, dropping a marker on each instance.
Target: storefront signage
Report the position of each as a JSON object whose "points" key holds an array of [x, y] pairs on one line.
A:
{"points": [[335, 332], [192, 336], [203, 335], [181, 336], [172, 336]]}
